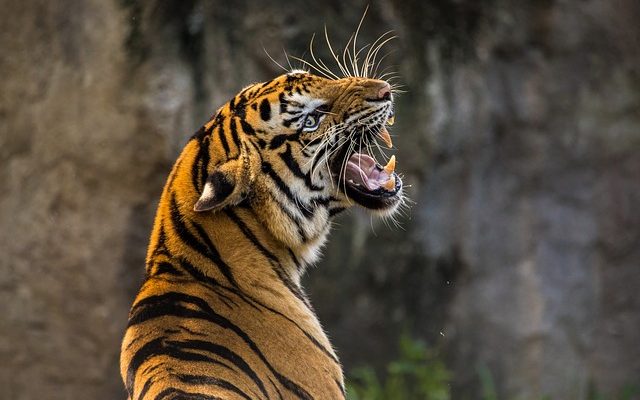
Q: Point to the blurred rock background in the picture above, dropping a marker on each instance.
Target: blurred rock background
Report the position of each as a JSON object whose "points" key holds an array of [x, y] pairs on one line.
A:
{"points": [[519, 134]]}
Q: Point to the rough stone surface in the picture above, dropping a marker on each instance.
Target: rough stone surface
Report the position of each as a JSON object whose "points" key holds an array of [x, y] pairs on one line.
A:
{"points": [[519, 133]]}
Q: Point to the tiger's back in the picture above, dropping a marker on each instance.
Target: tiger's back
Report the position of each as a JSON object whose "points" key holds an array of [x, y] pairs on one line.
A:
{"points": [[246, 207]]}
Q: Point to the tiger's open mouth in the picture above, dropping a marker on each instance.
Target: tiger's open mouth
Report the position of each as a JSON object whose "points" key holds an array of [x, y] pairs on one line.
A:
{"points": [[367, 182]]}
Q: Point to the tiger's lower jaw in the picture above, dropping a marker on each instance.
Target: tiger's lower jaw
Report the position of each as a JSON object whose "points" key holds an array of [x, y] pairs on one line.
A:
{"points": [[380, 200], [374, 187]]}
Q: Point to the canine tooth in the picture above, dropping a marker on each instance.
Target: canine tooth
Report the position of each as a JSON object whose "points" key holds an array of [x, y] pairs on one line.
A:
{"points": [[391, 120], [390, 184], [391, 165], [386, 138]]}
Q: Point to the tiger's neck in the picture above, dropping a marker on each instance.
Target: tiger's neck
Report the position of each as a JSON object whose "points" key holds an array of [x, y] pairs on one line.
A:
{"points": [[233, 247]]}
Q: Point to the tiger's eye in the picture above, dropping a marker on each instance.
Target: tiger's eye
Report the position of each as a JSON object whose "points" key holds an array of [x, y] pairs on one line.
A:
{"points": [[310, 121]]}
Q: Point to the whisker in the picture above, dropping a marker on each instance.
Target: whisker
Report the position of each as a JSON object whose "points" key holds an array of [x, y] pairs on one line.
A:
{"points": [[355, 40], [286, 56], [333, 53], [376, 47], [272, 59], [307, 63], [379, 63], [346, 57], [320, 64]]}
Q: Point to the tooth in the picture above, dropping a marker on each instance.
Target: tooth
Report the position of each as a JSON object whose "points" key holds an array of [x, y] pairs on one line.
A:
{"points": [[391, 165], [386, 138], [391, 120], [390, 185]]}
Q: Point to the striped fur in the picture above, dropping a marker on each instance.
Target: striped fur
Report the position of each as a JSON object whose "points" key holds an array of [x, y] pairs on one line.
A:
{"points": [[246, 207]]}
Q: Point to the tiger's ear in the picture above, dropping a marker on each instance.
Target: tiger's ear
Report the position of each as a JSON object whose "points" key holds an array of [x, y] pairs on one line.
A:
{"points": [[217, 192], [229, 182]]}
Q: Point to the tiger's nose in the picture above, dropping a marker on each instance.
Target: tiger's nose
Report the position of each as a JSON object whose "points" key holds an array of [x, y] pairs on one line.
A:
{"points": [[384, 93]]}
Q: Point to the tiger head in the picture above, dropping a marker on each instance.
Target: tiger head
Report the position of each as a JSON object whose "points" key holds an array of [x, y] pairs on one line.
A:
{"points": [[300, 148]]}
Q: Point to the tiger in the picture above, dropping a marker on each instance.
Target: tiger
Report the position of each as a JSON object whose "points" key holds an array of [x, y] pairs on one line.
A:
{"points": [[246, 208]]}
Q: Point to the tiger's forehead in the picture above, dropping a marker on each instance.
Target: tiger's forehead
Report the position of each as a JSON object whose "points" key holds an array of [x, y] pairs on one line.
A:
{"points": [[302, 81], [303, 87], [300, 90]]}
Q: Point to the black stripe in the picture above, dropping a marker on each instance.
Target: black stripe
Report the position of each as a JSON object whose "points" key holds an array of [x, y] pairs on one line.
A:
{"points": [[195, 170], [319, 156], [295, 260], [150, 369], [200, 163], [247, 128], [367, 115], [265, 84], [294, 219], [266, 167], [283, 103], [312, 142], [214, 255], [267, 91], [208, 249], [295, 290], [225, 323], [335, 210], [287, 122], [265, 110], [212, 283], [204, 163], [202, 132], [276, 388], [252, 238], [240, 108], [277, 141], [222, 352], [145, 388], [165, 267], [191, 331], [178, 394], [223, 138], [234, 134], [161, 247], [294, 167], [341, 387], [174, 172], [210, 381], [277, 266], [168, 304], [158, 347]]}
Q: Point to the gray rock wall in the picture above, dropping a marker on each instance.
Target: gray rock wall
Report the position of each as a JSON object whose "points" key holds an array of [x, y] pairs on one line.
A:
{"points": [[519, 134]]}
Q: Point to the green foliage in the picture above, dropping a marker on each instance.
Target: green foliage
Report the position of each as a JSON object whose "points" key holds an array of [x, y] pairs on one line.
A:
{"points": [[418, 374], [486, 382], [629, 392]]}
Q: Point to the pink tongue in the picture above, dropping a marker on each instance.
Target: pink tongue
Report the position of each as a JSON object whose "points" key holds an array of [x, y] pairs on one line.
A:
{"points": [[361, 169]]}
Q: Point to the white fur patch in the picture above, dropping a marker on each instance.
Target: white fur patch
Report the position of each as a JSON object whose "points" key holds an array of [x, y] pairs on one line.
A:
{"points": [[309, 103], [297, 71]]}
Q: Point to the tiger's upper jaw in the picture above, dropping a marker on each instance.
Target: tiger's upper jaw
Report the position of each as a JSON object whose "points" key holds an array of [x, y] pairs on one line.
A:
{"points": [[373, 185]]}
